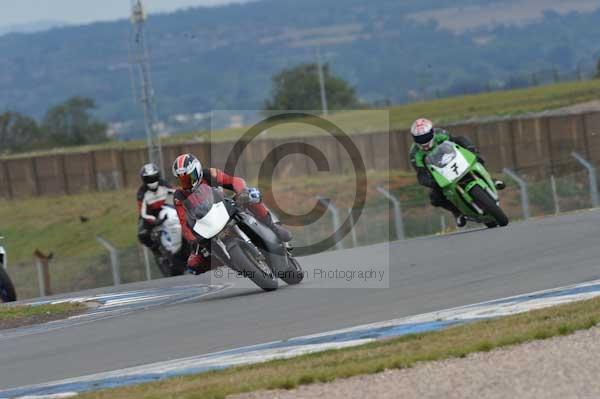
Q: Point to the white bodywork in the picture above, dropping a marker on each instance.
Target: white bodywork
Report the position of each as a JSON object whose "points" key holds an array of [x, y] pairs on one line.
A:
{"points": [[3, 261], [455, 166], [170, 231], [214, 221]]}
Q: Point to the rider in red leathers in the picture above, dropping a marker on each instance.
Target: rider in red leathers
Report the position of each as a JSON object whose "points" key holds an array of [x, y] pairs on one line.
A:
{"points": [[190, 175]]}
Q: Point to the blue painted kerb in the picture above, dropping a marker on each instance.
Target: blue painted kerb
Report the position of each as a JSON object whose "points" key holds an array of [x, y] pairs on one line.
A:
{"points": [[376, 333]]}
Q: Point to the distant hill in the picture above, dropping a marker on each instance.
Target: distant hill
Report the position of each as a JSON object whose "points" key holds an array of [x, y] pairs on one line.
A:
{"points": [[224, 57], [33, 27]]}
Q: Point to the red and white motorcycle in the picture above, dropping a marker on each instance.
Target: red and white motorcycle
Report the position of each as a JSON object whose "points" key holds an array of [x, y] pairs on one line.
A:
{"points": [[173, 249]]}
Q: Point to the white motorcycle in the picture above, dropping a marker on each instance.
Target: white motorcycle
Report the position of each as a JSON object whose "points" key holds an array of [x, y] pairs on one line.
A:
{"points": [[173, 249], [7, 289]]}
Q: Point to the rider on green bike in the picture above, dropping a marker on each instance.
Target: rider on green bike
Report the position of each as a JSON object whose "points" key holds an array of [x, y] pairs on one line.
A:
{"points": [[427, 138]]}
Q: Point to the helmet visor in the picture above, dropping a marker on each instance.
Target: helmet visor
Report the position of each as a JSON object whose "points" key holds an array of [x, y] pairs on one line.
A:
{"points": [[424, 138], [150, 179], [189, 180]]}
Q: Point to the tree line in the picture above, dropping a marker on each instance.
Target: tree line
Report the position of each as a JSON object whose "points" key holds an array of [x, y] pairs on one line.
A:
{"points": [[298, 88], [70, 123]]}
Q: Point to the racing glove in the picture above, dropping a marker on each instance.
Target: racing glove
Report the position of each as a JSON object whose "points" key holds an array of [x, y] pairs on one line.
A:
{"points": [[250, 196]]}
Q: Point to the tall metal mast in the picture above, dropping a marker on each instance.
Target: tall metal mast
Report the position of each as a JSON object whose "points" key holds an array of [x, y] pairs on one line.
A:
{"points": [[141, 61], [322, 83]]}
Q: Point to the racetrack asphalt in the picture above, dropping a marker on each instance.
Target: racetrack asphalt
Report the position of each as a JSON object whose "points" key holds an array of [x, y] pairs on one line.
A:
{"points": [[425, 274]]}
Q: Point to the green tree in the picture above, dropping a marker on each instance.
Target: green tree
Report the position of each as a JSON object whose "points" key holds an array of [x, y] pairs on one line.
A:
{"points": [[597, 70], [18, 132], [71, 123], [298, 88]]}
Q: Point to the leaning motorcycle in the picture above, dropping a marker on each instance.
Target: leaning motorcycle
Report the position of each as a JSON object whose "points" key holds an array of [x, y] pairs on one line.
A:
{"points": [[173, 250], [466, 183], [233, 237], [7, 289]]}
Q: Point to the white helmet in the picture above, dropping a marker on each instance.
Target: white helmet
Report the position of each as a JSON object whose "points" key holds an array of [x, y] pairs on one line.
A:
{"points": [[423, 133]]}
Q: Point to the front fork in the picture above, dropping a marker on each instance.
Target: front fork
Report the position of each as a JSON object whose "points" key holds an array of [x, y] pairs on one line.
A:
{"points": [[221, 252], [465, 192]]}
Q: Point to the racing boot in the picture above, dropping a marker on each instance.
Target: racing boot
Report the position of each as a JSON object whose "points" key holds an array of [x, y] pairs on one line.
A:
{"points": [[461, 220], [281, 232], [500, 185], [198, 263]]}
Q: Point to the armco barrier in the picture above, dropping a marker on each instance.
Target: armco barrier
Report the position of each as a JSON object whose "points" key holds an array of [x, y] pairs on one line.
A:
{"points": [[535, 146]]}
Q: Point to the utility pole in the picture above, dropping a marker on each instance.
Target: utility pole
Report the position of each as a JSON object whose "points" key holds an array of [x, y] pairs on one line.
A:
{"points": [[322, 82], [141, 61]]}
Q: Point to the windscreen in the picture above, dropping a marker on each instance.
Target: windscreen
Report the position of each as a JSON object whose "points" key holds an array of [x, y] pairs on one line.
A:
{"points": [[442, 155], [199, 203]]}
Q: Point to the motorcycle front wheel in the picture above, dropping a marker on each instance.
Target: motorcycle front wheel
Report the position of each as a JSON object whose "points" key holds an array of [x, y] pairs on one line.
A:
{"points": [[253, 266], [489, 206], [294, 275]]}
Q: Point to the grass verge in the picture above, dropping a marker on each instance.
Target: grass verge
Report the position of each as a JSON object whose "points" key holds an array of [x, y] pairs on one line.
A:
{"points": [[22, 315], [372, 358], [53, 224]]}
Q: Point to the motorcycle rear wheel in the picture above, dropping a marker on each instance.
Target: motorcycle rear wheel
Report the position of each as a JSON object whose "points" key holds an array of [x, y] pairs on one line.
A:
{"points": [[7, 289], [170, 268]]}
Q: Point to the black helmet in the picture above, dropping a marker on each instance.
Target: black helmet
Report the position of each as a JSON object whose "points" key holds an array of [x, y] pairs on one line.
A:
{"points": [[150, 176]]}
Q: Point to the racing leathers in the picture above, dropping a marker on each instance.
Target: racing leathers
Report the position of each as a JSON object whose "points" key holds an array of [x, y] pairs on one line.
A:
{"points": [[198, 261], [149, 203], [417, 160]]}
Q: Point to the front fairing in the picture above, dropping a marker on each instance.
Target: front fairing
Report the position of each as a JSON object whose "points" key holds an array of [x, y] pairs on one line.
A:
{"points": [[206, 212], [199, 203], [170, 231], [449, 162]]}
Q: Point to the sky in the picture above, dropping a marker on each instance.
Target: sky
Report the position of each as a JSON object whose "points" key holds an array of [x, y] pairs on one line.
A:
{"points": [[19, 12]]}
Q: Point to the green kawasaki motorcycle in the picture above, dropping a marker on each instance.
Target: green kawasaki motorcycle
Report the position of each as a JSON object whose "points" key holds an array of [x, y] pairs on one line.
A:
{"points": [[466, 184]]}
